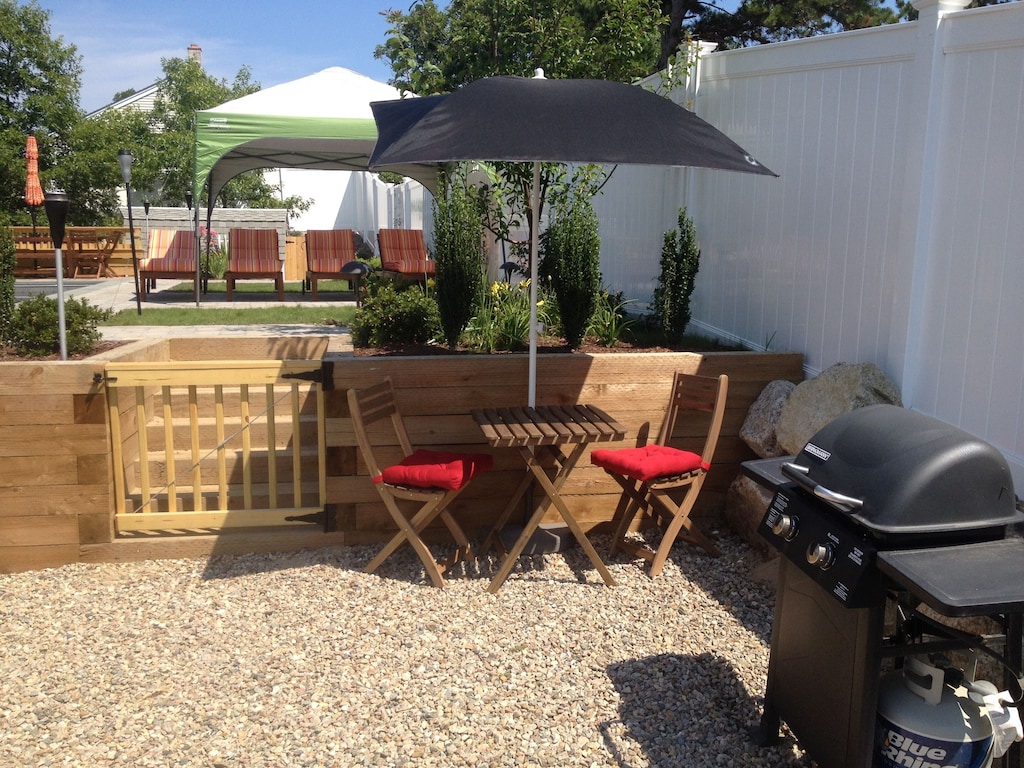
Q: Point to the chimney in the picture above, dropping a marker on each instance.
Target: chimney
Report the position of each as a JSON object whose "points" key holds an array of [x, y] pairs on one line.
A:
{"points": [[195, 53]]}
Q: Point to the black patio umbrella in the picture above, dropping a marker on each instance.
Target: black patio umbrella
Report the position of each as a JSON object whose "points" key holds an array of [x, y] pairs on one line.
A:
{"points": [[538, 120]]}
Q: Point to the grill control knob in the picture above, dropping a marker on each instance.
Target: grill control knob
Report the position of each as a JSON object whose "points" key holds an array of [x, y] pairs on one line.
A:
{"points": [[786, 526], [821, 555]]}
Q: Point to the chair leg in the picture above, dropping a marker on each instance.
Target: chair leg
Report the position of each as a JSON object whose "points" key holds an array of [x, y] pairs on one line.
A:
{"points": [[630, 502], [279, 284], [408, 530], [229, 288], [680, 527], [314, 281]]}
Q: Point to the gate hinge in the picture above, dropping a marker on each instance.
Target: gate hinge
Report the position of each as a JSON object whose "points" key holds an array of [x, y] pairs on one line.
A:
{"points": [[323, 375], [326, 518], [317, 376]]}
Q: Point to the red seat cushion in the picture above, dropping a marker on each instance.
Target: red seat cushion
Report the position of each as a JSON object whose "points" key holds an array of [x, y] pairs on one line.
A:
{"points": [[424, 468], [648, 462]]}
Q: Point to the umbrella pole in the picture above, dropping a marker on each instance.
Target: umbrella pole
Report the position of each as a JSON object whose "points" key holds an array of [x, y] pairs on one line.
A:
{"points": [[534, 251]]}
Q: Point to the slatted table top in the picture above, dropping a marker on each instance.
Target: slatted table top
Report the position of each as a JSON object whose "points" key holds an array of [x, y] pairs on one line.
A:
{"points": [[547, 425]]}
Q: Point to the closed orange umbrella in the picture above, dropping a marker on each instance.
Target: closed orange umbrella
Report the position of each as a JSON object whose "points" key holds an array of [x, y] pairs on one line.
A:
{"points": [[33, 190]]}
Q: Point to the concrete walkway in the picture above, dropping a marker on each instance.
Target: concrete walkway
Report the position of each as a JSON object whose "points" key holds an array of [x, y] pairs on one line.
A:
{"points": [[119, 294]]}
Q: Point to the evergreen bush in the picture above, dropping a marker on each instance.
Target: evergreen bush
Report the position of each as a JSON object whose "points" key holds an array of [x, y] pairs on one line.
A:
{"points": [[572, 250], [458, 249], [680, 259]]}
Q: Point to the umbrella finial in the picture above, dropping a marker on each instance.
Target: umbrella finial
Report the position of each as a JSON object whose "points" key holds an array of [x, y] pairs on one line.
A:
{"points": [[538, 73]]}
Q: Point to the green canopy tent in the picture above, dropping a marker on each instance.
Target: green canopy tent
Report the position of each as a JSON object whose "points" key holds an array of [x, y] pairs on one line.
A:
{"points": [[322, 121]]}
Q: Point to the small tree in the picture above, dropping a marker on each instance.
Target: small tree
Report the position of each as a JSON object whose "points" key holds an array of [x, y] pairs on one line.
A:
{"points": [[572, 252], [458, 249], [7, 264], [680, 259]]}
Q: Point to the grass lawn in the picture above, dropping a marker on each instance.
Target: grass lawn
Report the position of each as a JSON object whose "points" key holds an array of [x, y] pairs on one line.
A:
{"points": [[242, 315]]}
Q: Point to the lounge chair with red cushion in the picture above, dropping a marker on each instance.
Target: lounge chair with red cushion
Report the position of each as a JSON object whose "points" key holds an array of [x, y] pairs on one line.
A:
{"points": [[404, 252], [170, 254], [327, 251], [253, 254]]}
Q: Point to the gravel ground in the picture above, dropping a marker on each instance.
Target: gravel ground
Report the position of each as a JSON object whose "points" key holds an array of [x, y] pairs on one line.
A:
{"points": [[302, 660]]}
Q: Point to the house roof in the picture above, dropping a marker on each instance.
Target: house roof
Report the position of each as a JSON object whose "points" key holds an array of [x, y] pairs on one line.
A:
{"points": [[143, 100]]}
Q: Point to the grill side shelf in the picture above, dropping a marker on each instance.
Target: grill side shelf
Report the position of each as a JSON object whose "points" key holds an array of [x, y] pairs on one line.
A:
{"points": [[975, 579]]}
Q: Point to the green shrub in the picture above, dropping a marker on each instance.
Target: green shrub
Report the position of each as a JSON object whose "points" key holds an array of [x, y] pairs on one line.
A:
{"points": [[680, 259], [502, 321], [572, 250], [392, 316], [458, 249], [35, 329], [7, 264], [609, 320]]}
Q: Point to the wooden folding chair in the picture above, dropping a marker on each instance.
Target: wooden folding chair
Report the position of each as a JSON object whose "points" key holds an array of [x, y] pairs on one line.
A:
{"points": [[253, 255], [432, 478], [649, 474], [327, 251]]}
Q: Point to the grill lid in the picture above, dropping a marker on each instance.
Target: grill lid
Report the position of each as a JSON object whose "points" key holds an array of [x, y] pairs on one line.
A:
{"points": [[910, 473]]}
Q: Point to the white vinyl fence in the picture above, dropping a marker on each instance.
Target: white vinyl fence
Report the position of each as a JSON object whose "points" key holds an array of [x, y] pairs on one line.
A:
{"points": [[895, 232]]}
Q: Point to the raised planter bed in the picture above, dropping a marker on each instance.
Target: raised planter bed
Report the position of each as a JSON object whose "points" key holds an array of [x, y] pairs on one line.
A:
{"points": [[56, 490]]}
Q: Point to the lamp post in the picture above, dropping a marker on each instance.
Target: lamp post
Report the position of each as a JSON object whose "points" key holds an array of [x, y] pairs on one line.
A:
{"points": [[56, 205], [124, 157]]}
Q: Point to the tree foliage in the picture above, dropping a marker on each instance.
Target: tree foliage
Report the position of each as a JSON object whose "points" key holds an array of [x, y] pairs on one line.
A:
{"points": [[39, 82], [435, 51], [40, 79]]}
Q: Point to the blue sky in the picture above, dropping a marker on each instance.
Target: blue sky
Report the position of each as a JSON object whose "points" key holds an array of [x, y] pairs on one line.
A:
{"points": [[121, 43]]}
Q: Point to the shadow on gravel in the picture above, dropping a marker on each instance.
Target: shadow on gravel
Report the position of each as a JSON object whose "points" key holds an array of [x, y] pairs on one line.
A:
{"points": [[685, 710]]}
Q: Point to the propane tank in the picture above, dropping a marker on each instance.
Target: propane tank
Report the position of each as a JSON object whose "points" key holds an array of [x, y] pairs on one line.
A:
{"points": [[923, 723]]}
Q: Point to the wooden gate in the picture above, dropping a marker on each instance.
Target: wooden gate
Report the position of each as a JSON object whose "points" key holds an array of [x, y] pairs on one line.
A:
{"points": [[201, 445]]}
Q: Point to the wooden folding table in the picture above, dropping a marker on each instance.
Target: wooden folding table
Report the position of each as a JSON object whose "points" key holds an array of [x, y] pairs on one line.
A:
{"points": [[539, 435]]}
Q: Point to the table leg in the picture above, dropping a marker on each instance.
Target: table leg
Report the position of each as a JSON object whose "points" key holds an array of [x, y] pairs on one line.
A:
{"points": [[553, 493], [551, 489], [505, 515]]}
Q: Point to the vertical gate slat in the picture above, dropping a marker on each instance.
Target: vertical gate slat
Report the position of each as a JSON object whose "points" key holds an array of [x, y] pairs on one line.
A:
{"points": [[321, 445], [271, 416], [246, 446], [222, 466], [197, 471], [296, 448], [143, 459], [169, 463], [117, 452]]}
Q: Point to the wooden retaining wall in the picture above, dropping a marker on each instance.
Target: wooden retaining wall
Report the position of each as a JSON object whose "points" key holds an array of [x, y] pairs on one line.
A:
{"points": [[56, 489]]}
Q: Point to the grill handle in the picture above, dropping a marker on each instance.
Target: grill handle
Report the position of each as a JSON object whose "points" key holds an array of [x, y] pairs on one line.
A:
{"points": [[802, 476]]}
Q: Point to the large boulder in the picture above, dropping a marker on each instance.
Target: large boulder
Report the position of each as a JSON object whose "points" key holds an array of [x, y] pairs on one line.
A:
{"points": [[837, 390], [758, 430], [745, 504]]}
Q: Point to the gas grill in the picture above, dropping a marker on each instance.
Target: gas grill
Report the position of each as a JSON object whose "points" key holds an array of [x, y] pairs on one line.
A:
{"points": [[883, 506]]}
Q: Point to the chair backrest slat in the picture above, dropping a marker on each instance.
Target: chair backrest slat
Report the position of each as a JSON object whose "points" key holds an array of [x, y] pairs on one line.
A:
{"points": [[369, 406], [705, 394]]}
